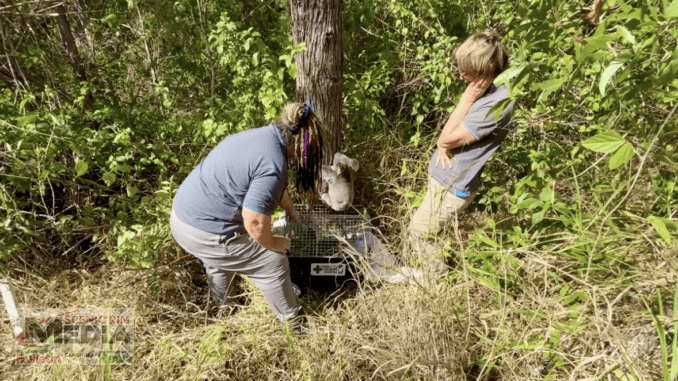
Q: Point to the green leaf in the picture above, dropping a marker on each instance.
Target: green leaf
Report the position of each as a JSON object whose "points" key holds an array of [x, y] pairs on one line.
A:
{"points": [[538, 216], [596, 43], [554, 337], [530, 203], [622, 156], [18, 164], [132, 190], [626, 34], [671, 12], [403, 169], [550, 85], [301, 47], [416, 139], [624, 74], [545, 195], [605, 142], [580, 296], [608, 73], [28, 118], [486, 240], [109, 178], [166, 101], [625, 7], [499, 108], [670, 224], [660, 227], [208, 126], [93, 183], [668, 73], [23, 102], [564, 290], [81, 168], [507, 74]]}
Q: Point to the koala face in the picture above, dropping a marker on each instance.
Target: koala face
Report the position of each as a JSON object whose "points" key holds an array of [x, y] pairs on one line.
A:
{"points": [[337, 188]]}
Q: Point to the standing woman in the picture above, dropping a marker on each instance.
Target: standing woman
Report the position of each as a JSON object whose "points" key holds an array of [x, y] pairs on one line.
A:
{"points": [[469, 139], [222, 211]]}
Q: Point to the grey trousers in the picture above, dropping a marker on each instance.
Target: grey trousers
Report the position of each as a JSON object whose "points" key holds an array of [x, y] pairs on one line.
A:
{"points": [[269, 270]]}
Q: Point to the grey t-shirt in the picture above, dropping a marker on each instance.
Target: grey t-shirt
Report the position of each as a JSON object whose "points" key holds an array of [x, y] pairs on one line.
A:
{"points": [[463, 177], [247, 169]]}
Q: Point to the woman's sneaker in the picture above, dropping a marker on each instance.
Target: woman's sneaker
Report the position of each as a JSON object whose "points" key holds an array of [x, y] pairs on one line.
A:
{"points": [[298, 326]]}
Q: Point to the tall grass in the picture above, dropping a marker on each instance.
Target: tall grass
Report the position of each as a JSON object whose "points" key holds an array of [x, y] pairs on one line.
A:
{"points": [[508, 312]]}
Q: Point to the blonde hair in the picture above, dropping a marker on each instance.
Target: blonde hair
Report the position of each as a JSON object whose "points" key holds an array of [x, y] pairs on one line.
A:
{"points": [[309, 134], [482, 54]]}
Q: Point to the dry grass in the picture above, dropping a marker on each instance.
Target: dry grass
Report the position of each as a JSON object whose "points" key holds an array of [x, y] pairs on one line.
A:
{"points": [[454, 329], [540, 313]]}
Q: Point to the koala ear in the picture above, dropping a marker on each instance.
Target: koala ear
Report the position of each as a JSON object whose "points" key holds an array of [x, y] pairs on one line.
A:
{"points": [[342, 160], [354, 165], [324, 188], [338, 158]]}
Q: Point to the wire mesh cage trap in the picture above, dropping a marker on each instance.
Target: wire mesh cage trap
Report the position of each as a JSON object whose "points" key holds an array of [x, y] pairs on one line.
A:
{"points": [[325, 233], [321, 243]]}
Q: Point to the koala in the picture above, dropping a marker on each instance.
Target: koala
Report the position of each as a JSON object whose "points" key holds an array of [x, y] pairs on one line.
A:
{"points": [[337, 187]]}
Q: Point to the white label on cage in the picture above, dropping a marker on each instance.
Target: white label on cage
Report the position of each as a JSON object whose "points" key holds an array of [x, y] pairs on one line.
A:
{"points": [[328, 269]]}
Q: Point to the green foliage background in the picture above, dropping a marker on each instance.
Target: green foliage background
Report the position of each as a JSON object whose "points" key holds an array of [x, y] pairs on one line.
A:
{"points": [[84, 181]]}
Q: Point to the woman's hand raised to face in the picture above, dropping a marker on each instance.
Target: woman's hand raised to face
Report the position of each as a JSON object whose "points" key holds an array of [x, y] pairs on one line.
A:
{"points": [[477, 87]]}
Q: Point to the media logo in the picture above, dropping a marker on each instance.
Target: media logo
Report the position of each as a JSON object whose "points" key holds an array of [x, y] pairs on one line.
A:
{"points": [[85, 336]]}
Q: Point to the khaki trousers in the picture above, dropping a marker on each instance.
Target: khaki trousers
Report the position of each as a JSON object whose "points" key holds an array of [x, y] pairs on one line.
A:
{"points": [[438, 209]]}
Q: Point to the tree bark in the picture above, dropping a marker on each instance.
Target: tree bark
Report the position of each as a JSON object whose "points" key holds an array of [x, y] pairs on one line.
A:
{"points": [[67, 39], [319, 68]]}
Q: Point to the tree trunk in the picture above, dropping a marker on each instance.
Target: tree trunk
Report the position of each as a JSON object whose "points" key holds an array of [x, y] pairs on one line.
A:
{"points": [[67, 39], [319, 68], [69, 43]]}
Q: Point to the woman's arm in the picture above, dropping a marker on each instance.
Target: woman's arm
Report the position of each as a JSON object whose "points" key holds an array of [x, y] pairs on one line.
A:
{"points": [[258, 226], [286, 204], [454, 134]]}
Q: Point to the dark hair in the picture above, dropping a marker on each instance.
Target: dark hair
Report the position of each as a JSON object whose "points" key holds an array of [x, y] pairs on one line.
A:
{"points": [[301, 130]]}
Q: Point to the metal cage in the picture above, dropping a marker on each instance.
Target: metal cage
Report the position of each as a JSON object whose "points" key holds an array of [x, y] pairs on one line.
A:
{"points": [[323, 232]]}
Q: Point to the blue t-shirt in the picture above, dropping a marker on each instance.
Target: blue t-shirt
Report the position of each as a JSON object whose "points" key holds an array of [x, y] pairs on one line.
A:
{"points": [[247, 170], [468, 161]]}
